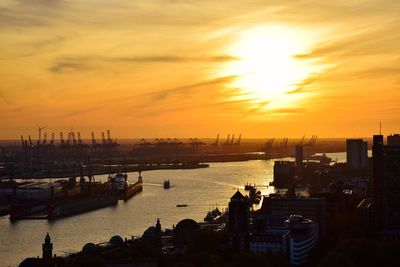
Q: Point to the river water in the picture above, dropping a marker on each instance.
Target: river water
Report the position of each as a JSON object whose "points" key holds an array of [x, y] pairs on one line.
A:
{"points": [[200, 189]]}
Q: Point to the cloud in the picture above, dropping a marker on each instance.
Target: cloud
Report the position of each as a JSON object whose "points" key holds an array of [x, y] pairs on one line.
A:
{"points": [[164, 93], [289, 110], [258, 107], [66, 65], [172, 59], [314, 78], [29, 14]]}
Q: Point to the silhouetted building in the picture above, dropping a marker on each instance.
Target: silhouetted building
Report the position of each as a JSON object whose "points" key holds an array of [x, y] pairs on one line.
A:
{"points": [[284, 172], [393, 140], [386, 186], [357, 153], [238, 227], [184, 231], [47, 248], [310, 207], [301, 239], [299, 160], [152, 237], [268, 234]]}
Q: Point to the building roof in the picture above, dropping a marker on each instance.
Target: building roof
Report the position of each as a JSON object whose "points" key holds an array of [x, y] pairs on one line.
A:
{"points": [[47, 239], [89, 248], [150, 232], [237, 195], [116, 240], [187, 224]]}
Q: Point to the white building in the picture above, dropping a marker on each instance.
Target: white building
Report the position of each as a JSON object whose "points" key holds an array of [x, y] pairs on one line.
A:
{"points": [[301, 239]]}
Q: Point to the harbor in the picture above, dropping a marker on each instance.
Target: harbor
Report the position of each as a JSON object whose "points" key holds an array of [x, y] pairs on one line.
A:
{"points": [[200, 189], [132, 217], [63, 198]]}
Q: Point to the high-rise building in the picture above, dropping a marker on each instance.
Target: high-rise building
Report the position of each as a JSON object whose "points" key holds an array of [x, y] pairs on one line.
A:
{"points": [[238, 227], [357, 153], [386, 186], [299, 160]]}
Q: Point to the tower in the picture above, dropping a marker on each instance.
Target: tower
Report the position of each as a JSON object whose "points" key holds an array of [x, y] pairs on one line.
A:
{"points": [[238, 228], [47, 248], [158, 227], [299, 160]]}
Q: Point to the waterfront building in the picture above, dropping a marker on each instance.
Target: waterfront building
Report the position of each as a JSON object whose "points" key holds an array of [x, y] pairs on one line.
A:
{"points": [[284, 172], [357, 154], [47, 248], [301, 239], [385, 186], [184, 231], [238, 226]]}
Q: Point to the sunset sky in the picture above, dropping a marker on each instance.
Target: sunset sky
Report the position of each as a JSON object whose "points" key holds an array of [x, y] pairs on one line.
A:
{"points": [[159, 68]]}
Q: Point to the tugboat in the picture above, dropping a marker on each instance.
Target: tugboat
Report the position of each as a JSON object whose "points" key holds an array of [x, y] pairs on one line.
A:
{"points": [[167, 184]]}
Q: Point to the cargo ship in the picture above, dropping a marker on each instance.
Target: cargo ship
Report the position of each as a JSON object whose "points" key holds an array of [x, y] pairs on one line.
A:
{"points": [[72, 198], [125, 190], [80, 205]]}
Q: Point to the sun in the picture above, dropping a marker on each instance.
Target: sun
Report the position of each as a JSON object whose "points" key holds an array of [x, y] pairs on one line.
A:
{"points": [[266, 67]]}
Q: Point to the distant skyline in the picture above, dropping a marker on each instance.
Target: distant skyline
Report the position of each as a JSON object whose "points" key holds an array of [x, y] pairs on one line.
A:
{"points": [[156, 68]]}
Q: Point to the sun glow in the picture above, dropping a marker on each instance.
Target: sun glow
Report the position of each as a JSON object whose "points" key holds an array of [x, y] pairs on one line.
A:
{"points": [[266, 69]]}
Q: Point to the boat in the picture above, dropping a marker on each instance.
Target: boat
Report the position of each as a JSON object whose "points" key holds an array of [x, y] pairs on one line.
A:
{"points": [[167, 184], [74, 198], [181, 205], [79, 205], [125, 190]]}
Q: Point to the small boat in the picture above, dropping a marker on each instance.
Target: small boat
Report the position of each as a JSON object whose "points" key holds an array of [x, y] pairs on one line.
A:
{"points": [[167, 184], [181, 205]]}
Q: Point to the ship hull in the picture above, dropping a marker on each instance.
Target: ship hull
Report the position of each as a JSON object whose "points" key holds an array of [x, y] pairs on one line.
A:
{"points": [[130, 191], [81, 205]]}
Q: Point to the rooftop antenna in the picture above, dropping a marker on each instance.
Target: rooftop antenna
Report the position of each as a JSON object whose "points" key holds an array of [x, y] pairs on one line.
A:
{"points": [[380, 128]]}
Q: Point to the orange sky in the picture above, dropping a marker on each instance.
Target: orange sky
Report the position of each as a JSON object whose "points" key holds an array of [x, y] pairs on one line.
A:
{"points": [[156, 68]]}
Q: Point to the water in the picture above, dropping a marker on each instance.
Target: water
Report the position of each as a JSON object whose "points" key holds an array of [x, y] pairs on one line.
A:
{"points": [[200, 189]]}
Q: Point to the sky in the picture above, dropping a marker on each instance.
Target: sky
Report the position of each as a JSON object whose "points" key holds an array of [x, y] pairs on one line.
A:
{"points": [[159, 68]]}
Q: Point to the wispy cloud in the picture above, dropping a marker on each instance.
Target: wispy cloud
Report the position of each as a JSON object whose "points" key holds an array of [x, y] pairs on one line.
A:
{"points": [[66, 64], [171, 59]]}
